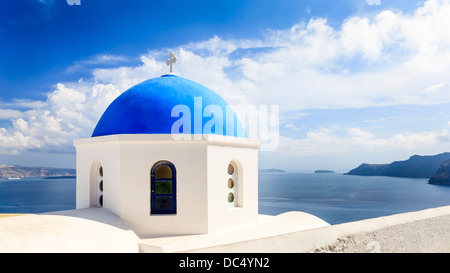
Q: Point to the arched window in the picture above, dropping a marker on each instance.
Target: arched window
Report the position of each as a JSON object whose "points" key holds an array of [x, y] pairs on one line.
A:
{"points": [[96, 184], [233, 185], [163, 188], [100, 186]]}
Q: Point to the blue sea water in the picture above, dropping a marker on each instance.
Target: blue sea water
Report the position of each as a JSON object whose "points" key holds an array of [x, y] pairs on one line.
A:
{"points": [[36, 195], [334, 197], [338, 198]]}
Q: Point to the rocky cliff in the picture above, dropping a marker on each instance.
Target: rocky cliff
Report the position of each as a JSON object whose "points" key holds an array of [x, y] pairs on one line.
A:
{"points": [[20, 171], [416, 166], [442, 175]]}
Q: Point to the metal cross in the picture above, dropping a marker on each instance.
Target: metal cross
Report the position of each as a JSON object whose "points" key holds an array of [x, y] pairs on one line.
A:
{"points": [[172, 59]]}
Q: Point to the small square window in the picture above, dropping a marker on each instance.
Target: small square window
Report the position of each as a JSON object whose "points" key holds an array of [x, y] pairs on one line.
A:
{"points": [[163, 203]]}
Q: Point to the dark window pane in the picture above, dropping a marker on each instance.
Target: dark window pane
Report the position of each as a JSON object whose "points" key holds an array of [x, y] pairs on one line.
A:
{"points": [[163, 203], [163, 172], [163, 186]]}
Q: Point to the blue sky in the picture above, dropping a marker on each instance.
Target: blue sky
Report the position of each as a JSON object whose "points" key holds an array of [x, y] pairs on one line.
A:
{"points": [[40, 39], [356, 81]]}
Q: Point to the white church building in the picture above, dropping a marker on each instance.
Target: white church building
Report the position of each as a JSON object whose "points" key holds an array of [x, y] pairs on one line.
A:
{"points": [[198, 179], [168, 168]]}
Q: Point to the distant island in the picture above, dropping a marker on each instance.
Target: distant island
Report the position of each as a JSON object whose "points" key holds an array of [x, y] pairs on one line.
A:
{"points": [[271, 171], [442, 175], [16, 171], [323, 171], [415, 167]]}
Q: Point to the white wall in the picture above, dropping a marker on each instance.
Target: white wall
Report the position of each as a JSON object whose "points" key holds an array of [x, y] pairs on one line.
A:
{"points": [[222, 214], [104, 152], [425, 231], [201, 205], [189, 159]]}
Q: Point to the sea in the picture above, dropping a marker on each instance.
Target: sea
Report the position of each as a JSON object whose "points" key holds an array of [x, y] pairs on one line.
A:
{"points": [[334, 197]]}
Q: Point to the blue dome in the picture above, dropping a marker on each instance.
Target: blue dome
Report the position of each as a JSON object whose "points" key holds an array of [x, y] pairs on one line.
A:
{"points": [[146, 108]]}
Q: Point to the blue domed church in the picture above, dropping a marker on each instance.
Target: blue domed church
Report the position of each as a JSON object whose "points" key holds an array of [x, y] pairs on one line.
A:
{"points": [[170, 157]]}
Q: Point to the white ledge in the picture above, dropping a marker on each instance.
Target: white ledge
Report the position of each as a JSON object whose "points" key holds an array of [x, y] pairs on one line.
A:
{"points": [[211, 139]]}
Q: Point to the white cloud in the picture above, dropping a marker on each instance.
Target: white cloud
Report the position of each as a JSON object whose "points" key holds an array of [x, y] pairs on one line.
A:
{"points": [[358, 133], [9, 114], [399, 56], [70, 111], [388, 59], [332, 141], [101, 59], [292, 127]]}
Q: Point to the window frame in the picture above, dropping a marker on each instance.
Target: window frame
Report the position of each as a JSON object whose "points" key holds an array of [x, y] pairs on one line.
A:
{"points": [[154, 195]]}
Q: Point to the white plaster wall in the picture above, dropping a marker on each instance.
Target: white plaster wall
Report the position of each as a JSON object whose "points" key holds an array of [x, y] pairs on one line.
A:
{"points": [[91, 230], [83, 177], [201, 206], [190, 161], [222, 214], [107, 153], [425, 231]]}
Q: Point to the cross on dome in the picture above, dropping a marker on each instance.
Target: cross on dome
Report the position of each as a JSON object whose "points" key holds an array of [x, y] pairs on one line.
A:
{"points": [[172, 59]]}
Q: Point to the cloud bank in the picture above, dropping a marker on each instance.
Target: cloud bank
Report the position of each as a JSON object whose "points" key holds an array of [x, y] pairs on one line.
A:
{"points": [[389, 58]]}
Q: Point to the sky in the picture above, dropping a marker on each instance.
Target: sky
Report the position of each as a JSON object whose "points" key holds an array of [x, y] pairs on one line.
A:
{"points": [[355, 81]]}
